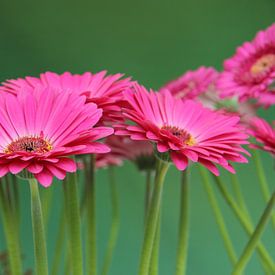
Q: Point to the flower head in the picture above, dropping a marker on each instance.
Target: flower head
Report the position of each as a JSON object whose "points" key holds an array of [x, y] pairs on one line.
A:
{"points": [[183, 129], [264, 134], [250, 73], [198, 84], [104, 90], [41, 129]]}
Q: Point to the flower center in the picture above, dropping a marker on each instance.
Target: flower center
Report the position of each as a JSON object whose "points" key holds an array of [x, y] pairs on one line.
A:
{"points": [[263, 64], [183, 135], [31, 144]]}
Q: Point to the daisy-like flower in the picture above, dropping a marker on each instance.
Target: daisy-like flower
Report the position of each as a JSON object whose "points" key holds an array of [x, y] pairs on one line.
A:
{"points": [[250, 73], [263, 132], [41, 129], [185, 130], [104, 90], [123, 148], [198, 84]]}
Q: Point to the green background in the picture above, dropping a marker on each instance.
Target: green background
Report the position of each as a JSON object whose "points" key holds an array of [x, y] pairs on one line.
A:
{"points": [[152, 41]]}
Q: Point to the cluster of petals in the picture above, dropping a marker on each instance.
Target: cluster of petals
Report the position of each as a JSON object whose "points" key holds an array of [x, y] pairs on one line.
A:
{"points": [[41, 128], [184, 129], [250, 73], [123, 148], [263, 132], [101, 89], [198, 84]]}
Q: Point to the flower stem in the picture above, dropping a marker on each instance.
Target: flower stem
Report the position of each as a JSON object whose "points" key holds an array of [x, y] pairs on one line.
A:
{"points": [[147, 193], [246, 224], [262, 179], [183, 225], [73, 223], [154, 261], [218, 216], [91, 259], [40, 250], [10, 224], [114, 224], [255, 237], [152, 218]]}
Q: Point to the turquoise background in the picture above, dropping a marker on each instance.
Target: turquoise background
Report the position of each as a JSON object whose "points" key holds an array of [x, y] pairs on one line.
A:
{"points": [[153, 41]]}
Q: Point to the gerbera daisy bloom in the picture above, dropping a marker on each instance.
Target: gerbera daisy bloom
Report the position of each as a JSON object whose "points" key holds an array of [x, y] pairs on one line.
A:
{"points": [[185, 130], [41, 129], [104, 90], [198, 84], [264, 134], [250, 73], [123, 148]]}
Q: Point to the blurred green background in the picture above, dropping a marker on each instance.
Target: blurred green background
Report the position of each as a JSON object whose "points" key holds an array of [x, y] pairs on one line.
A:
{"points": [[153, 41]]}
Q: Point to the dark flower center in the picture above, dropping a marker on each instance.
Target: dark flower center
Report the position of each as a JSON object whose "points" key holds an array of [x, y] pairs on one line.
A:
{"points": [[31, 144], [181, 134]]}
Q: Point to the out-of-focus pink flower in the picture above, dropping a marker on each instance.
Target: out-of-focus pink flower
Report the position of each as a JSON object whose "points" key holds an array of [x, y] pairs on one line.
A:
{"points": [[104, 90], [198, 85], [264, 134], [250, 73], [184, 130], [41, 129]]}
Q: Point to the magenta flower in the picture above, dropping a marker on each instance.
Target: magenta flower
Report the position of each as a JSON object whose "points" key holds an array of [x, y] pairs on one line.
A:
{"points": [[250, 73], [41, 129], [264, 134], [104, 90], [198, 84], [183, 129], [123, 148]]}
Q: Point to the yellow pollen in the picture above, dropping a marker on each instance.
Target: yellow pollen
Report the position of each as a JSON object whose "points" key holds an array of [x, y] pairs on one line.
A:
{"points": [[263, 64], [31, 144], [183, 135]]}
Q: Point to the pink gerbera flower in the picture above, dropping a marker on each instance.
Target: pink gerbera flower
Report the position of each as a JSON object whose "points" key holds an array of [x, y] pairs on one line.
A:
{"points": [[104, 90], [250, 73], [41, 129], [198, 84], [264, 134], [184, 130], [123, 148]]}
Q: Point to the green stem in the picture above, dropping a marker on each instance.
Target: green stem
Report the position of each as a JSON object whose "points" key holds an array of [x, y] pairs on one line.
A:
{"points": [[73, 223], [114, 225], [91, 259], [59, 245], [218, 216], [40, 250], [11, 234], [183, 225], [147, 193], [154, 261], [262, 179], [246, 224], [254, 240], [152, 219]]}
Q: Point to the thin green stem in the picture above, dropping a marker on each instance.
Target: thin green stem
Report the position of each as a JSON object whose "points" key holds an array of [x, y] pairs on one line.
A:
{"points": [[57, 256], [244, 221], [147, 193], [40, 250], [114, 224], [183, 225], [262, 179], [154, 261], [73, 223], [218, 216], [152, 219], [254, 240], [91, 259], [11, 234]]}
